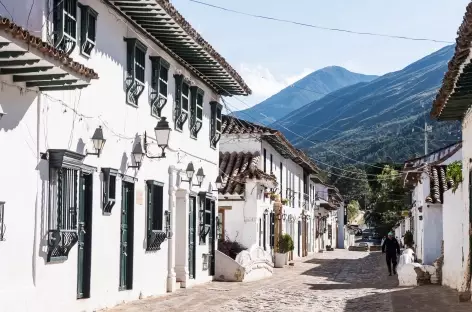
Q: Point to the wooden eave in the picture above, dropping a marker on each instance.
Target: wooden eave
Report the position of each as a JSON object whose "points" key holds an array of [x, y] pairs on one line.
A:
{"points": [[169, 30], [33, 63]]}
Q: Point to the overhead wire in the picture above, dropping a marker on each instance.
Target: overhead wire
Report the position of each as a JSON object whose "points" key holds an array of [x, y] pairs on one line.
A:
{"points": [[318, 26]]}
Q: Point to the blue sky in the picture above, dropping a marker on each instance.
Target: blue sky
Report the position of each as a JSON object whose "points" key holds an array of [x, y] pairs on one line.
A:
{"points": [[271, 55]]}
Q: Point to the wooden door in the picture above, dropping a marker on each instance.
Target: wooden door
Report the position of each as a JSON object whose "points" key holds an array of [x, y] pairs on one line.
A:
{"points": [[211, 239], [126, 242], [192, 219], [85, 236]]}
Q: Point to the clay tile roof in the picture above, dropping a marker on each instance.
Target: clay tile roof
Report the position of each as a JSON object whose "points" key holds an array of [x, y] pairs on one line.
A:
{"points": [[459, 68], [438, 184], [45, 48], [237, 167], [235, 126]]}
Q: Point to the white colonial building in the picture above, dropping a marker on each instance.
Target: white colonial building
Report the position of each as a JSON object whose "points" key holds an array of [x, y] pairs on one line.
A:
{"points": [[454, 102], [329, 223], [258, 164], [110, 128], [431, 204]]}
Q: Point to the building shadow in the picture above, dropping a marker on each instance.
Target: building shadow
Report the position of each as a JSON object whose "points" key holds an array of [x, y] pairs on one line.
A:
{"points": [[369, 288]]}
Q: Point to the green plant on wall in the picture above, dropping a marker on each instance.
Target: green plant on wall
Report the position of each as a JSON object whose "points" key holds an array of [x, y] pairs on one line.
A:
{"points": [[408, 239], [454, 174]]}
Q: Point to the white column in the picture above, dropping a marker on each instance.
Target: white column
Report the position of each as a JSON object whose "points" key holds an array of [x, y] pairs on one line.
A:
{"points": [[181, 237], [171, 277]]}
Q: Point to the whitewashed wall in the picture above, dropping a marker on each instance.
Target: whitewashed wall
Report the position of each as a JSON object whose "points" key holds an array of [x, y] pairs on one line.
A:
{"points": [[32, 126], [251, 143], [454, 240], [433, 232]]}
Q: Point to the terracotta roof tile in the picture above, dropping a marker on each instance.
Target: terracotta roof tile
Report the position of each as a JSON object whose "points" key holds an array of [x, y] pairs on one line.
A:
{"points": [[48, 50], [456, 64], [236, 168], [438, 184], [234, 126]]}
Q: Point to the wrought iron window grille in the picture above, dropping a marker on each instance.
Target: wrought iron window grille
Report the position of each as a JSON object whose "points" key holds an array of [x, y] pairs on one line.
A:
{"points": [[156, 235], [135, 73], [64, 20], [109, 189], [155, 239], [3, 228], [159, 83], [88, 29], [196, 111], [60, 242], [215, 123], [182, 98]]}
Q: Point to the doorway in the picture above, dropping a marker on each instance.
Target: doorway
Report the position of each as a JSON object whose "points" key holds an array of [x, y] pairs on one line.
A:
{"points": [[127, 231], [84, 255]]}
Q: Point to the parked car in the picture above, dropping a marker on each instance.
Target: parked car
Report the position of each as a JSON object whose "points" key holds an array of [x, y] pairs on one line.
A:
{"points": [[363, 244]]}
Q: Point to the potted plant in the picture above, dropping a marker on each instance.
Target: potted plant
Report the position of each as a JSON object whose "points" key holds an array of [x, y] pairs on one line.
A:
{"points": [[273, 196], [284, 201], [285, 245]]}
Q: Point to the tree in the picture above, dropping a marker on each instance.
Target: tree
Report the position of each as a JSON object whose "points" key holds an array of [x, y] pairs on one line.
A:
{"points": [[387, 200], [352, 210], [352, 183]]}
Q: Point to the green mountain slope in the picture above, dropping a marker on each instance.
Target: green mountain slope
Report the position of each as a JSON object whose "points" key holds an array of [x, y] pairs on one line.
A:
{"points": [[310, 88], [377, 121]]}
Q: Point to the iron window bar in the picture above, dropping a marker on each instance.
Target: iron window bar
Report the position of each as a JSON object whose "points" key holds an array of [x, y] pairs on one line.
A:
{"points": [[155, 239]]}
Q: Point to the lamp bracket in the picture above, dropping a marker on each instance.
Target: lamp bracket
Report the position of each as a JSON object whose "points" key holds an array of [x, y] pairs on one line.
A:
{"points": [[163, 154]]}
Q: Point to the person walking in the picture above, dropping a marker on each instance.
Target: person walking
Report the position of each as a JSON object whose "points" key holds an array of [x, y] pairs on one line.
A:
{"points": [[391, 248]]}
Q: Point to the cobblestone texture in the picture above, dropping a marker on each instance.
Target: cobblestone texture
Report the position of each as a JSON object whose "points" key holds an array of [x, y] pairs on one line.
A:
{"points": [[332, 281]]}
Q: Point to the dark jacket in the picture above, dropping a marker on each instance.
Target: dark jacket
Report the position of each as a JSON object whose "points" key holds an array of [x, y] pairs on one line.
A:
{"points": [[391, 246]]}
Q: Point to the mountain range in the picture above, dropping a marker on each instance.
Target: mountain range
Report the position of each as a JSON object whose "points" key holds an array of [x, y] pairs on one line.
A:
{"points": [[306, 90], [376, 120]]}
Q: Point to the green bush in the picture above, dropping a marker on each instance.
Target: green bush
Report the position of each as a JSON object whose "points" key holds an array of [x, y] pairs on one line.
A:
{"points": [[408, 239], [285, 243]]}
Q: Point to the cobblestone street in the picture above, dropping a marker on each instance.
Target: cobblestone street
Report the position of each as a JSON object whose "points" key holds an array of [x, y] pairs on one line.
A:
{"points": [[332, 281]]}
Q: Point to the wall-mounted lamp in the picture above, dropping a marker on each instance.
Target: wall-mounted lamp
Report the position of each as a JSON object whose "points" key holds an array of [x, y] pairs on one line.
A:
{"points": [[138, 155], [190, 171], [218, 183], [162, 132], [98, 142], [266, 211]]}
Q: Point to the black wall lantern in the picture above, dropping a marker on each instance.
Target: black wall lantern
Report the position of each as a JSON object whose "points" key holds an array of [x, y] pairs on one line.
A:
{"points": [[98, 142], [138, 155], [162, 132], [190, 171]]}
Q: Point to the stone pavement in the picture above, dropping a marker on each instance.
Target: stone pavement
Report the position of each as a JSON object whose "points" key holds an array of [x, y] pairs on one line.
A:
{"points": [[332, 281]]}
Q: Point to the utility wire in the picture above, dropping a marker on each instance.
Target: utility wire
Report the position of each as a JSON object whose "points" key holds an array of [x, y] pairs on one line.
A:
{"points": [[321, 27]]}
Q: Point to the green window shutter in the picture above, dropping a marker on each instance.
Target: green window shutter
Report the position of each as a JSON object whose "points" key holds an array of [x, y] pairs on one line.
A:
{"points": [[135, 70], [215, 123], [180, 116], [159, 77]]}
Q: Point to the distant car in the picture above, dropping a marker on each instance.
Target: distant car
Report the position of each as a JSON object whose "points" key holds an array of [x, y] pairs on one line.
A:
{"points": [[363, 244]]}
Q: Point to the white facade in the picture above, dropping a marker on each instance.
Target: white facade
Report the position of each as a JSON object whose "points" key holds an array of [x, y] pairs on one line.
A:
{"points": [[248, 215], [65, 120]]}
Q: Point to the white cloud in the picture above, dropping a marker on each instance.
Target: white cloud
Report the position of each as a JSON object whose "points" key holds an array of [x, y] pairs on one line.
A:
{"points": [[264, 83]]}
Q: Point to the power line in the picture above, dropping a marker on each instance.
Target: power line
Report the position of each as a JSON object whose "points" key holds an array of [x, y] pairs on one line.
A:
{"points": [[321, 27]]}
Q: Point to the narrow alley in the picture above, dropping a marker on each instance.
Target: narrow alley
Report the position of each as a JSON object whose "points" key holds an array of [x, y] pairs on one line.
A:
{"points": [[332, 281]]}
